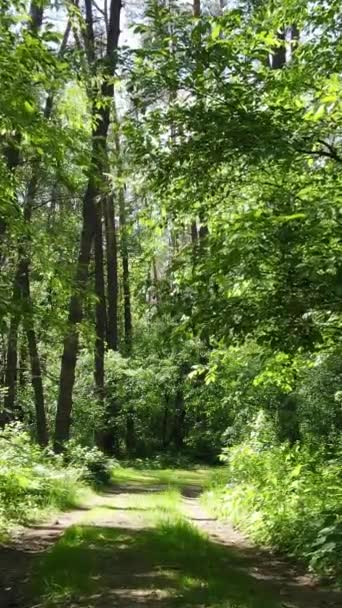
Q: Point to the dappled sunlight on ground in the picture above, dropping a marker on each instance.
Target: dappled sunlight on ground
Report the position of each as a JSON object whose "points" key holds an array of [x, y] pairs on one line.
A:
{"points": [[154, 545], [169, 565]]}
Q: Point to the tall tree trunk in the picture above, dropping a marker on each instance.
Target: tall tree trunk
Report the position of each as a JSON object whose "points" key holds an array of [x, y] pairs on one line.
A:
{"points": [[125, 275], [112, 273], [198, 236], [22, 305], [22, 363], [94, 192], [21, 299], [123, 245], [130, 439], [101, 322], [165, 422], [71, 339], [20, 280], [36, 372], [12, 358]]}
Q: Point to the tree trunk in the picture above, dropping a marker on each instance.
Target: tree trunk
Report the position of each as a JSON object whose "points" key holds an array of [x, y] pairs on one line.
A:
{"points": [[194, 239], [101, 322], [21, 299], [165, 423], [277, 59], [36, 375], [130, 432], [94, 192], [125, 275], [71, 339], [123, 247], [22, 363], [112, 273], [22, 305], [178, 428], [11, 361]]}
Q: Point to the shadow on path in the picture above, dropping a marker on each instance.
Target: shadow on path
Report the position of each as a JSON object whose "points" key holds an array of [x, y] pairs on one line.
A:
{"points": [[169, 566], [118, 563]]}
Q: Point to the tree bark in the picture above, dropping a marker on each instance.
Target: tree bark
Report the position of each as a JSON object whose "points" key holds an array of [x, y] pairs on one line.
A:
{"points": [[125, 275], [22, 363], [130, 432], [124, 248], [71, 339], [277, 59], [197, 8], [36, 372], [178, 427], [94, 191], [112, 273], [101, 322], [11, 361]]}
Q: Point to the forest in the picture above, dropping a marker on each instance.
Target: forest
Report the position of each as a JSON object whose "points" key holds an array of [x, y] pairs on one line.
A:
{"points": [[171, 301]]}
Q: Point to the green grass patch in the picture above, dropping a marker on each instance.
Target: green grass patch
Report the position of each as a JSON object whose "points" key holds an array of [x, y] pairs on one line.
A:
{"points": [[174, 562], [151, 507], [176, 478]]}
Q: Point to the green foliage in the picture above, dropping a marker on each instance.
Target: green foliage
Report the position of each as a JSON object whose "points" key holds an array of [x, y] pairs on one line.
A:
{"points": [[32, 479], [319, 401], [284, 497], [225, 173], [96, 467]]}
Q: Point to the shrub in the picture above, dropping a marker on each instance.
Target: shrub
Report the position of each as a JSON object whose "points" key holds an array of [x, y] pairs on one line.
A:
{"points": [[32, 479], [96, 467], [286, 498]]}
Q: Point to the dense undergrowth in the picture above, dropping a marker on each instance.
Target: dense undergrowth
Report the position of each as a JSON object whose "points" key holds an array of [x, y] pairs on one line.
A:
{"points": [[33, 480], [286, 497]]}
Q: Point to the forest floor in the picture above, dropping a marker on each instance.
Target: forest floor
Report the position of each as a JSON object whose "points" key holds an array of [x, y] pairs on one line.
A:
{"points": [[148, 541]]}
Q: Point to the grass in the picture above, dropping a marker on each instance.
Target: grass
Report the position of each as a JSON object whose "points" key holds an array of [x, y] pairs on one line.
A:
{"points": [[172, 562], [175, 478], [151, 507], [164, 562]]}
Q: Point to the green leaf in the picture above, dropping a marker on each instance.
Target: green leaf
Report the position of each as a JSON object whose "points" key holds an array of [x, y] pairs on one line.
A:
{"points": [[216, 31], [29, 107]]}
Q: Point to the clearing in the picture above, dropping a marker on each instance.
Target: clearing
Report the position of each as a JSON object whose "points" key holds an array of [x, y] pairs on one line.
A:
{"points": [[149, 542]]}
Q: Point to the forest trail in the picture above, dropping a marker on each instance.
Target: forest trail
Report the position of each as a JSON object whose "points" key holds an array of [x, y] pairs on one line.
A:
{"points": [[147, 544]]}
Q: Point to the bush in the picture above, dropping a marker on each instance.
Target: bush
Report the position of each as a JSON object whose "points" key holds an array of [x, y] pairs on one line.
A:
{"points": [[286, 498], [32, 479], [96, 467]]}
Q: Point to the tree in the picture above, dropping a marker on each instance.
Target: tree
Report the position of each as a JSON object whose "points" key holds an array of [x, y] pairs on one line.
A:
{"points": [[101, 121]]}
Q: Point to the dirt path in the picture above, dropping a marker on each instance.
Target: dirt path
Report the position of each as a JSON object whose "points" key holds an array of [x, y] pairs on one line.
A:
{"points": [[127, 557]]}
